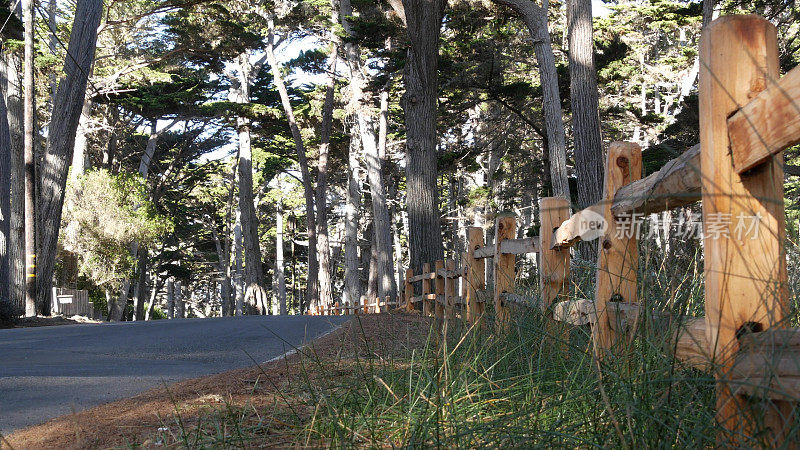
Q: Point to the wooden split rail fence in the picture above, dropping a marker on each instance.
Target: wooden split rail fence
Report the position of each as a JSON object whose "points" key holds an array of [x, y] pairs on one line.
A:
{"points": [[748, 116]]}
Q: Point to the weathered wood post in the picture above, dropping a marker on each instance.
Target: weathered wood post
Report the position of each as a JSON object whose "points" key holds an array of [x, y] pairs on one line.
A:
{"points": [[554, 266], [450, 290], [427, 304], [440, 291], [618, 253], [475, 279], [408, 290], [504, 271], [745, 273]]}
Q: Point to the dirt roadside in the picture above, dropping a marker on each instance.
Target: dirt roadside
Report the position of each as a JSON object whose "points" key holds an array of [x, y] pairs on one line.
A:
{"points": [[271, 401], [39, 321]]}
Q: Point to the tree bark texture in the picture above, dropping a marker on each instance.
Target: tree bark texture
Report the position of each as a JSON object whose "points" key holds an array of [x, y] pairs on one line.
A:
{"points": [[423, 18], [66, 113], [323, 245], [585, 111], [31, 306], [12, 88], [141, 284], [312, 297], [280, 276], [255, 295], [352, 278], [535, 19], [81, 136], [5, 204], [239, 278]]}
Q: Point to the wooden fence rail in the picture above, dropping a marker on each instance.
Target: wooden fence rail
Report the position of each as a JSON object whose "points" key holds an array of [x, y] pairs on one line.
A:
{"points": [[748, 116]]}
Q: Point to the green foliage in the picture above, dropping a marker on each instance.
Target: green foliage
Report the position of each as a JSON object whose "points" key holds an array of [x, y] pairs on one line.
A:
{"points": [[104, 215]]}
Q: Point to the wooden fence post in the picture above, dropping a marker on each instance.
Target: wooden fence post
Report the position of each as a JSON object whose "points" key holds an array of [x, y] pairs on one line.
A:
{"points": [[475, 279], [440, 289], [450, 291], [618, 253], [408, 290], [554, 265], [427, 304], [504, 273], [746, 285]]}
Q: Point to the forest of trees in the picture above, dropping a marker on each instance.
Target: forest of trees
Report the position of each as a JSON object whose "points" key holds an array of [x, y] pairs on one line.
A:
{"points": [[268, 157]]}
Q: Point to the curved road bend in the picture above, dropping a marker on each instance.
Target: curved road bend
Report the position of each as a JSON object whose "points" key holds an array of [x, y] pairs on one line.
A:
{"points": [[47, 372]]}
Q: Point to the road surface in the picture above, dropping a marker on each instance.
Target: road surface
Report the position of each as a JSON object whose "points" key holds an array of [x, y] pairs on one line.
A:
{"points": [[47, 372]]}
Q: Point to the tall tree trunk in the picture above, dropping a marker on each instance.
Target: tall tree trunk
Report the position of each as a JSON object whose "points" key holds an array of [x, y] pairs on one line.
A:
{"points": [[151, 308], [372, 271], [180, 303], [110, 150], [255, 295], [323, 245], [585, 112], [424, 19], [170, 299], [708, 11], [31, 306], [239, 283], [5, 204], [380, 210], [535, 19], [352, 278], [12, 88], [81, 136], [280, 276], [116, 309], [61, 138], [140, 293], [312, 297], [228, 306]]}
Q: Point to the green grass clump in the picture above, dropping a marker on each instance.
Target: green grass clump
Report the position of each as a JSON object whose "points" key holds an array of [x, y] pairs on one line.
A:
{"points": [[527, 388]]}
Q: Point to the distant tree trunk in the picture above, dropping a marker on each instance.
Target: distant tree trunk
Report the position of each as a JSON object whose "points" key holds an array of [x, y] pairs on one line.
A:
{"points": [[31, 306], [323, 245], [352, 278], [116, 309], [180, 305], [585, 112], [372, 274], [5, 204], [140, 293], [110, 150], [81, 136], [228, 306], [312, 293], [61, 138], [280, 277], [12, 89], [170, 299], [424, 20], [237, 244], [535, 19], [52, 44], [380, 211], [151, 308], [708, 11], [255, 295]]}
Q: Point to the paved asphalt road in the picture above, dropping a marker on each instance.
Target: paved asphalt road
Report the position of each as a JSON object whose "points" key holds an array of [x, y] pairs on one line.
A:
{"points": [[51, 371]]}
